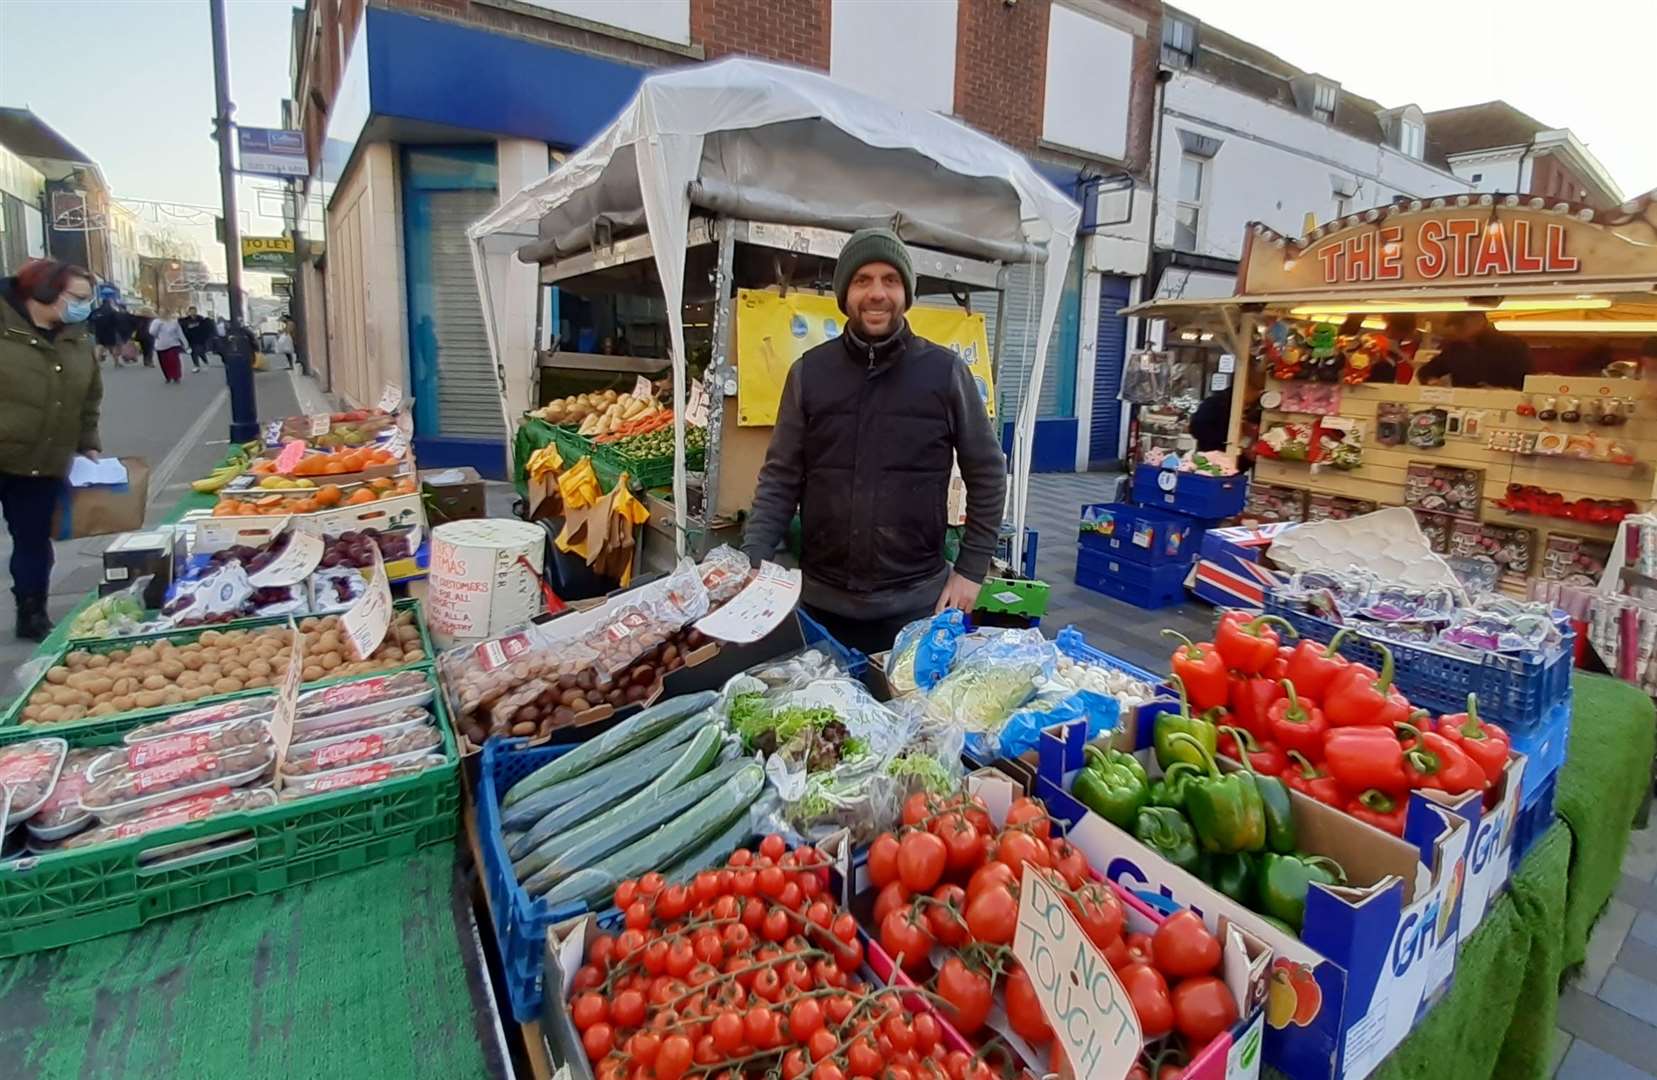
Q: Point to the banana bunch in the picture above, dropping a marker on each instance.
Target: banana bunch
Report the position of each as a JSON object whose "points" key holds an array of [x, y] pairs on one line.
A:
{"points": [[229, 470]]}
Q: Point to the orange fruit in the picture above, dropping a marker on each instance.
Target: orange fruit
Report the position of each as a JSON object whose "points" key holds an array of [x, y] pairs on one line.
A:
{"points": [[360, 496], [328, 495]]}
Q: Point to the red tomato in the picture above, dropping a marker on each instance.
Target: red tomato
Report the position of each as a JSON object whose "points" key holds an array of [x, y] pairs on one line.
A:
{"points": [[827, 1070], [1149, 993], [892, 896], [773, 846], [863, 1058], [598, 1041], [759, 1025], [990, 875], [627, 1010], [601, 950], [821, 1043], [642, 1047], [589, 977], [776, 926], [740, 857], [672, 902], [726, 1030], [922, 858], [626, 893], [742, 882], [588, 1009], [680, 958], [883, 860], [771, 880], [753, 914], [848, 956], [1139, 948], [965, 844], [1028, 812], [992, 916], [651, 884], [1099, 912], [844, 927], [793, 1065], [1203, 1008], [1024, 1009], [673, 1058], [1017, 848], [918, 807], [927, 1032], [944, 918], [966, 995], [805, 1019], [1069, 862], [1183, 947], [978, 813], [904, 933], [637, 915]]}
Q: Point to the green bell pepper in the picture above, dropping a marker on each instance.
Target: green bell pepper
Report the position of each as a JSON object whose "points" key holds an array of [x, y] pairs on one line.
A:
{"points": [[1199, 729], [1286, 879], [1113, 785], [1170, 790], [1274, 802], [1234, 875], [1165, 831], [1226, 810]]}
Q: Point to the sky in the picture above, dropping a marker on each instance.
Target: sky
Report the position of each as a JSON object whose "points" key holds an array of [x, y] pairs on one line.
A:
{"points": [[130, 82], [1586, 65]]}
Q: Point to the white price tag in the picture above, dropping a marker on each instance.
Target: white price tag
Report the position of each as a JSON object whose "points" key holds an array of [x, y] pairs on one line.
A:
{"points": [[369, 616], [696, 411], [397, 446], [273, 434], [293, 563], [1079, 993], [1228, 363], [287, 698], [391, 397], [643, 389], [757, 610], [321, 423], [1218, 381]]}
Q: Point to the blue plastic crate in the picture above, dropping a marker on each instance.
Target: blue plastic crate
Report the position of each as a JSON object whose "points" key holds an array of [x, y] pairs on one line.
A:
{"points": [[1544, 745], [1193, 494], [1148, 587], [1073, 643], [1534, 818], [1515, 689], [1141, 534], [817, 637], [520, 921]]}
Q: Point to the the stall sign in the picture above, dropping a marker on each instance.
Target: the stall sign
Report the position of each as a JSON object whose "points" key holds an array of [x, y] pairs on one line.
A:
{"points": [[1475, 245]]}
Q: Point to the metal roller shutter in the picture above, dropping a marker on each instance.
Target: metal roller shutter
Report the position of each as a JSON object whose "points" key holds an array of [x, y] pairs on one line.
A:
{"points": [[468, 398], [1111, 349]]}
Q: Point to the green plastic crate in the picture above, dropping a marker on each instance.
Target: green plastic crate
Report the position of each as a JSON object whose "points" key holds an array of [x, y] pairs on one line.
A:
{"points": [[101, 730], [60, 899], [1013, 596]]}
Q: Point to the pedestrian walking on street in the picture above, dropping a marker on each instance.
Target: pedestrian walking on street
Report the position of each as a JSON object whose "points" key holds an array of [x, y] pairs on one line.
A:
{"points": [[146, 336], [108, 322], [169, 346], [198, 331], [48, 413]]}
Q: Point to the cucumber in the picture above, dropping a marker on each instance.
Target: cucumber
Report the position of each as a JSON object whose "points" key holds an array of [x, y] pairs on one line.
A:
{"points": [[572, 813], [696, 758], [651, 758], [624, 736], [711, 817], [711, 854], [622, 830]]}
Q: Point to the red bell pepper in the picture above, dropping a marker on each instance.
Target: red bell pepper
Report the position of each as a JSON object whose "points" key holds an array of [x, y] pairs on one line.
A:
{"points": [[1278, 669], [1377, 808], [1199, 666], [1251, 703], [1248, 644], [1359, 697], [1313, 780], [1264, 757], [1366, 757], [1296, 724], [1312, 667], [1437, 763], [1484, 742]]}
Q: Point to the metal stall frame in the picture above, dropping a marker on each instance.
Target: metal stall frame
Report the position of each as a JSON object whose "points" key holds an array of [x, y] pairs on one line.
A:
{"points": [[719, 381]]}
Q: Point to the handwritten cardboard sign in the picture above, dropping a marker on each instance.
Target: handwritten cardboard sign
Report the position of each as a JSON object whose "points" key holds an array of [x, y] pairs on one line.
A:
{"points": [[321, 423], [369, 616], [293, 564], [391, 396], [1079, 993], [696, 411], [642, 389], [290, 455], [287, 699], [397, 445]]}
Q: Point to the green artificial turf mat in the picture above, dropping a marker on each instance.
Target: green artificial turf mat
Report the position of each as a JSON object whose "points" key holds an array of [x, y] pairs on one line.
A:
{"points": [[1604, 780], [358, 975]]}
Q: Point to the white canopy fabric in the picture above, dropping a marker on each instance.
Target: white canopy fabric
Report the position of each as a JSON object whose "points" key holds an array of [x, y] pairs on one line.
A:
{"points": [[801, 144]]}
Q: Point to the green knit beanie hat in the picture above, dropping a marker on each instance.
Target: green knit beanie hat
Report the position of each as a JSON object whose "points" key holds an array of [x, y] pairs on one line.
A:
{"points": [[873, 245]]}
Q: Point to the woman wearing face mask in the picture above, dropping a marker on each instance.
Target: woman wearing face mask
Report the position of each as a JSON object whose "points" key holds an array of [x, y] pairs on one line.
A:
{"points": [[48, 413]]}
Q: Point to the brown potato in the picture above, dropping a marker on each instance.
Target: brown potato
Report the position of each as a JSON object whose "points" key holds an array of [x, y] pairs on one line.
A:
{"points": [[141, 655], [58, 676], [147, 699], [125, 702], [312, 672], [155, 682], [97, 661], [172, 669], [227, 685]]}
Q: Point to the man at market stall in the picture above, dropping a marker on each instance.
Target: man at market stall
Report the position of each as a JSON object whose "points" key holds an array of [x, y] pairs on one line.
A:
{"points": [[1477, 354], [866, 432]]}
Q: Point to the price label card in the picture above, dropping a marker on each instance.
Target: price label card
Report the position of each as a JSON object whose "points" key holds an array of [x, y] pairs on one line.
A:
{"points": [[397, 445], [1079, 993], [320, 423], [369, 616], [391, 397], [290, 455], [696, 411], [1228, 363], [287, 699], [758, 609], [643, 389], [273, 434], [293, 563], [1218, 381]]}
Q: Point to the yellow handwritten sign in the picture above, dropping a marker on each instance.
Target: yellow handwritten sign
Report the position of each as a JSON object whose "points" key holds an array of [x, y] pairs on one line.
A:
{"points": [[772, 332]]}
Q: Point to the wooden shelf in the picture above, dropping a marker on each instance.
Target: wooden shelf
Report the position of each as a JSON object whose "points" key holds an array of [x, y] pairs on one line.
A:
{"points": [[1542, 524]]}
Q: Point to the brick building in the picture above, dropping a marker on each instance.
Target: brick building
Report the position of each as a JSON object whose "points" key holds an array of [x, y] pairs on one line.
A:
{"points": [[419, 115]]}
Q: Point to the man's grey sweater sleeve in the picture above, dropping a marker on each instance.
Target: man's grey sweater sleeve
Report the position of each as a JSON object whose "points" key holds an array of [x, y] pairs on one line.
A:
{"points": [[984, 469], [781, 478]]}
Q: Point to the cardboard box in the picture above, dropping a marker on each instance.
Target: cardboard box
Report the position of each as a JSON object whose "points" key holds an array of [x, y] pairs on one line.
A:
{"points": [[395, 512], [1373, 956], [455, 494], [102, 509], [1231, 571], [134, 555]]}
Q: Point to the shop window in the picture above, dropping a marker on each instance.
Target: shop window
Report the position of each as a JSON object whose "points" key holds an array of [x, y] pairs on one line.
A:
{"points": [[1412, 138], [1324, 97], [1193, 184], [1179, 42]]}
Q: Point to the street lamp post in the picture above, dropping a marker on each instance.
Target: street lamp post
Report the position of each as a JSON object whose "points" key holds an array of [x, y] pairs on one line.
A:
{"points": [[238, 352]]}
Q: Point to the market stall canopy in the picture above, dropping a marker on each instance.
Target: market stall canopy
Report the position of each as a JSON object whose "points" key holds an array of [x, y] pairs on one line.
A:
{"points": [[763, 142]]}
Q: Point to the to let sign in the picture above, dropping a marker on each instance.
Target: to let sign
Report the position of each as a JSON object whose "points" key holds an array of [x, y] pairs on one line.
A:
{"points": [[267, 252], [1089, 1010]]}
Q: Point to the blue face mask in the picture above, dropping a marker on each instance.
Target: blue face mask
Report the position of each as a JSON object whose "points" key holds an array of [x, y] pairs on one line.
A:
{"points": [[77, 310]]}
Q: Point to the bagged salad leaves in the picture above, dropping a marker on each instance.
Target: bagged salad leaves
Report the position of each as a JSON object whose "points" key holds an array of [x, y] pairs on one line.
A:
{"points": [[993, 680], [924, 652]]}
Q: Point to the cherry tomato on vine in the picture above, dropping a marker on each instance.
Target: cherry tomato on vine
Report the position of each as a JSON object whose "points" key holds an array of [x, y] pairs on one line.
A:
{"points": [[944, 917], [598, 1040], [673, 1058]]}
